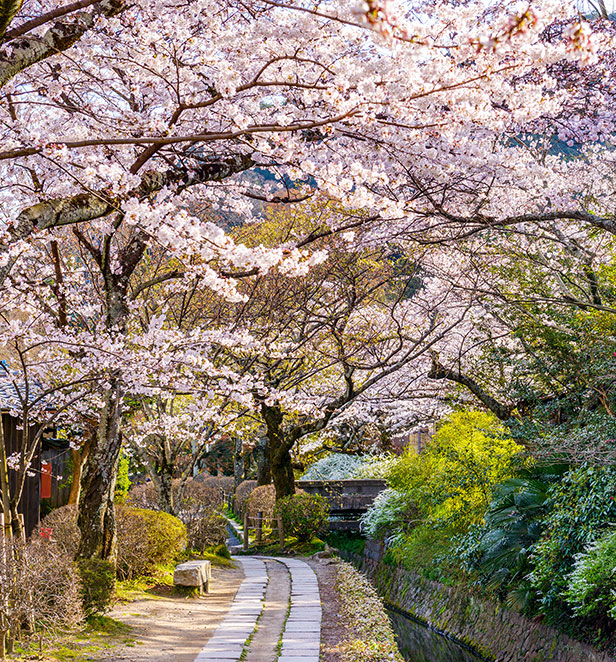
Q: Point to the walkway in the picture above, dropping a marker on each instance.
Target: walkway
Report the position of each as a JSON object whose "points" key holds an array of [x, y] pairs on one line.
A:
{"points": [[275, 616]]}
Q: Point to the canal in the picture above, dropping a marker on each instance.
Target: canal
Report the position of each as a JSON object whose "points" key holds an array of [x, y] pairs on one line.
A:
{"points": [[419, 643]]}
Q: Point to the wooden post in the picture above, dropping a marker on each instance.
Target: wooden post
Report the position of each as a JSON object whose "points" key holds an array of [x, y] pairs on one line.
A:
{"points": [[259, 526], [280, 532], [245, 531]]}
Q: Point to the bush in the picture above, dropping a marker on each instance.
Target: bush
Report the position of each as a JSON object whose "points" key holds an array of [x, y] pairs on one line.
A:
{"points": [[387, 515], [224, 484], [376, 466], [335, 466], [97, 584], [147, 539], [206, 530], [242, 493], [451, 482], [579, 508], [65, 533], [262, 499], [592, 584], [197, 503], [194, 495], [39, 585], [303, 515]]}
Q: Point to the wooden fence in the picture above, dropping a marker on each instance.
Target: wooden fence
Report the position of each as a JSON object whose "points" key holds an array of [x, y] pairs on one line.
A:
{"points": [[262, 525]]}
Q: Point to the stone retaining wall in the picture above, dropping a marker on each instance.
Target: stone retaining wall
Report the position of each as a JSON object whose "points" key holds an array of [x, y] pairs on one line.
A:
{"points": [[495, 632]]}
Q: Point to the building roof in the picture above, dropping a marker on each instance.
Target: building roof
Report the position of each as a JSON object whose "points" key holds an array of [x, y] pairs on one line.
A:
{"points": [[11, 393]]}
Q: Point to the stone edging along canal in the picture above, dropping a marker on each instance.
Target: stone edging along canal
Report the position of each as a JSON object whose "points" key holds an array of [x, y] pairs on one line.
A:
{"points": [[493, 631]]}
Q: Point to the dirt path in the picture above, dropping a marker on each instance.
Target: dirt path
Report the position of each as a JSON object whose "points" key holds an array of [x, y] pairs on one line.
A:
{"points": [[168, 628]]}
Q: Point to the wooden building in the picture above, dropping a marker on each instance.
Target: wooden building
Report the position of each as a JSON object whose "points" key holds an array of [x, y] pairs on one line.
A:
{"points": [[29, 505], [48, 449]]}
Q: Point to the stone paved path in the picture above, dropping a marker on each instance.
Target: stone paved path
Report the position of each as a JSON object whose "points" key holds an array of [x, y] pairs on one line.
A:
{"points": [[252, 631]]}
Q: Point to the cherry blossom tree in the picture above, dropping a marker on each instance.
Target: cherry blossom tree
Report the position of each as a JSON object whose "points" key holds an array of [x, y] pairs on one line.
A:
{"points": [[119, 118]]}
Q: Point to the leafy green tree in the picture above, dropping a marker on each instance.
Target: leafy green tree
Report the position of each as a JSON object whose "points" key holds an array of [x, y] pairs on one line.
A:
{"points": [[452, 480]]}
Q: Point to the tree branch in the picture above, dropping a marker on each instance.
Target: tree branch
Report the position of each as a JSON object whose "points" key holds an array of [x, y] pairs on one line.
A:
{"points": [[23, 53], [438, 371], [90, 206]]}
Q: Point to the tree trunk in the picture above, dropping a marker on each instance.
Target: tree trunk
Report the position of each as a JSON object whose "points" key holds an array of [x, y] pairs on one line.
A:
{"points": [[280, 457], [264, 465], [96, 509], [165, 489], [238, 462], [80, 457]]}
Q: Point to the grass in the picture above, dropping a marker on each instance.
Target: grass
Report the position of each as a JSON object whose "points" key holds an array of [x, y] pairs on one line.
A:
{"points": [[162, 582], [229, 514], [353, 543], [99, 633], [291, 545]]}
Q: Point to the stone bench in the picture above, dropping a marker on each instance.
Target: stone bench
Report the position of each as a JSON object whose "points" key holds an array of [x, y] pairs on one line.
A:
{"points": [[197, 574]]}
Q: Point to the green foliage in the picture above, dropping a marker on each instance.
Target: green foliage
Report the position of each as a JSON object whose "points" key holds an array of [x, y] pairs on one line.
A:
{"points": [[147, 539], [349, 542], [592, 584], [387, 516], [580, 507], [123, 481], [303, 515], [501, 551], [452, 480], [426, 549], [222, 550], [97, 584]]}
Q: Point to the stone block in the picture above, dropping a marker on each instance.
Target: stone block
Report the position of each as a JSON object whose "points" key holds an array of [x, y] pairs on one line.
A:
{"points": [[194, 573]]}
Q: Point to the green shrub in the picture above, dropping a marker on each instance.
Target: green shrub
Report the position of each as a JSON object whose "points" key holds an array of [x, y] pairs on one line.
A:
{"points": [[221, 550], [579, 507], [123, 481], [303, 515], [451, 481], [146, 540], [592, 584], [97, 584]]}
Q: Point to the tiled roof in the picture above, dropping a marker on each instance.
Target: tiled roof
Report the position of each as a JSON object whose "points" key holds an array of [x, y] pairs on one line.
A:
{"points": [[10, 399]]}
